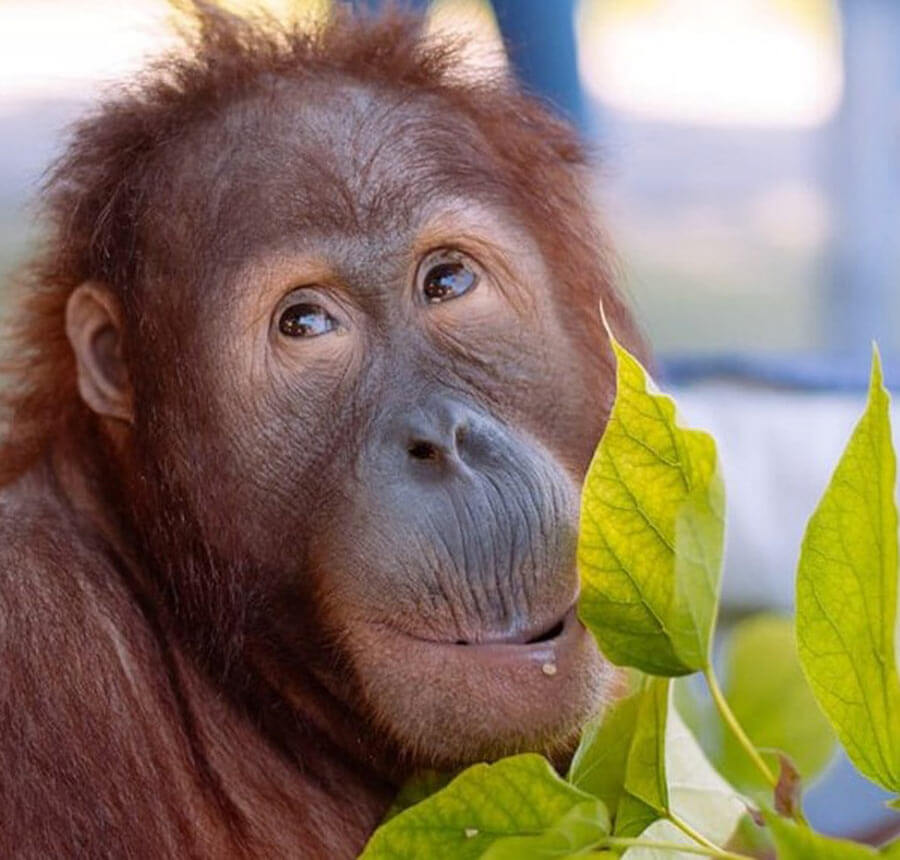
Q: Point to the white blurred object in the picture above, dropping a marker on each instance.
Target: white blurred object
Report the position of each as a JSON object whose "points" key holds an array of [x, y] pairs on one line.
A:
{"points": [[778, 450], [628, 52], [57, 50]]}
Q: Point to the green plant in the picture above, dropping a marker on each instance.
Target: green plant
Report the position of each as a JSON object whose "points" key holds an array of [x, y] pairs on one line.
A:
{"points": [[650, 557]]}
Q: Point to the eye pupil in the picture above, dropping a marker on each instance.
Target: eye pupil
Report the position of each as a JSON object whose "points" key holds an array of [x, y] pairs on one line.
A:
{"points": [[306, 321], [447, 281]]}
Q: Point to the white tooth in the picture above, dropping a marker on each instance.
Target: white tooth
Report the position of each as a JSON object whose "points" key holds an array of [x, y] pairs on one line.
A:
{"points": [[549, 668]]}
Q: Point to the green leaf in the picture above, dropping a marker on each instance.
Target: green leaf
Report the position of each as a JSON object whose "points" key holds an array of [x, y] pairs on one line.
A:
{"points": [[650, 540], [645, 768], [847, 596], [697, 795], [752, 838], [645, 764], [796, 842], [598, 766], [769, 696], [634, 817], [517, 796], [597, 855], [583, 827], [645, 791], [416, 789], [891, 850], [519, 807]]}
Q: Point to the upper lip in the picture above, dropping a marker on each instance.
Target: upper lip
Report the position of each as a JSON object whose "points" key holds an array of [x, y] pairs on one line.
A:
{"points": [[535, 632], [538, 631]]}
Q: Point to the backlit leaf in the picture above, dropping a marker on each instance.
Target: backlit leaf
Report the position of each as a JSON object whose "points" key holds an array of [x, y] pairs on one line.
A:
{"points": [[795, 842], [622, 758], [598, 766], [650, 541], [581, 828], [847, 596], [645, 767], [518, 796], [643, 761], [697, 795]]}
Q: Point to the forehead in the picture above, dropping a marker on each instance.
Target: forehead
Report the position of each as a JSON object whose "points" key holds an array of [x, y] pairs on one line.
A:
{"points": [[333, 157]]}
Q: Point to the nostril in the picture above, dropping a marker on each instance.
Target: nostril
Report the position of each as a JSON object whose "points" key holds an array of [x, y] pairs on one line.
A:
{"points": [[460, 435], [423, 451]]}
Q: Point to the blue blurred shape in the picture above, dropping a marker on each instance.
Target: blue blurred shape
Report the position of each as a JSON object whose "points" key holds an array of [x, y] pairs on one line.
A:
{"points": [[840, 373], [843, 803], [866, 184], [540, 39]]}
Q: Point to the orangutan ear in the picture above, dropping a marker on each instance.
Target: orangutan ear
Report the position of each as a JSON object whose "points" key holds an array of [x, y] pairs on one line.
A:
{"points": [[95, 330]]}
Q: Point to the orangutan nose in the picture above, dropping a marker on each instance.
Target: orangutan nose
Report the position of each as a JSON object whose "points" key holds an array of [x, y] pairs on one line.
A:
{"points": [[437, 432]]}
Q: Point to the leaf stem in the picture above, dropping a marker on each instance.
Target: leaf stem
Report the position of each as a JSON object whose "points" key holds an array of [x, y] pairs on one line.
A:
{"points": [[735, 727], [689, 831], [702, 850]]}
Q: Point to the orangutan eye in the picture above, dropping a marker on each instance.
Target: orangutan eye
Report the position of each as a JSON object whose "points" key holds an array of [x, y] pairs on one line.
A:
{"points": [[304, 320], [447, 275]]}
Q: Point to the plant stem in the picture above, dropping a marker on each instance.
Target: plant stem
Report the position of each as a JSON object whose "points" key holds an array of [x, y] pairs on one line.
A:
{"points": [[689, 831], [702, 850], [736, 730]]}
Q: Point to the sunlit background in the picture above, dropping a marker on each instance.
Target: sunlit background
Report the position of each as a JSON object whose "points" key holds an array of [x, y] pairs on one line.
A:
{"points": [[749, 174], [726, 145]]}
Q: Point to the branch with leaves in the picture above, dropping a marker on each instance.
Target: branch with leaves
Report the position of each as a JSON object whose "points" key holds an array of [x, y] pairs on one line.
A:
{"points": [[650, 559]]}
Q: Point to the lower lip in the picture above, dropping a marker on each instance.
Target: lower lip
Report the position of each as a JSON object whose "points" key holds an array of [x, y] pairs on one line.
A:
{"points": [[545, 656]]}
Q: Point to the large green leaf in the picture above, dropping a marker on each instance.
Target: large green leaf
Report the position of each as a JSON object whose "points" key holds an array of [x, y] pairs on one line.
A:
{"points": [[697, 795], [645, 792], [646, 766], [847, 596], [796, 842], [583, 827], [769, 695], [517, 796], [646, 789], [598, 766], [621, 758], [650, 541]]}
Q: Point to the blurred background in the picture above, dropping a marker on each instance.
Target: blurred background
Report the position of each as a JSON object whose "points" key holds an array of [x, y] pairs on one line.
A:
{"points": [[749, 153], [749, 176]]}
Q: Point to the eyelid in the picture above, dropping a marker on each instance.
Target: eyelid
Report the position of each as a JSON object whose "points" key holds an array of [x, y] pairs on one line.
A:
{"points": [[492, 257], [333, 300], [449, 251], [504, 276], [305, 293]]}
